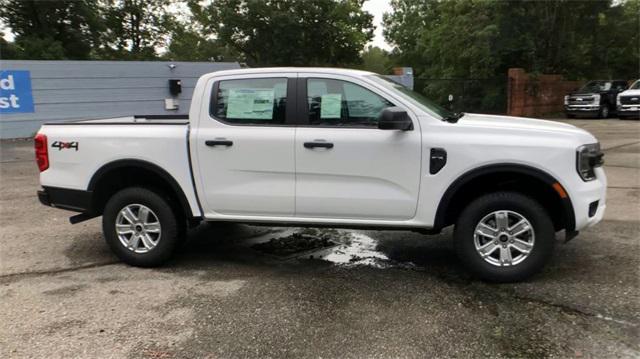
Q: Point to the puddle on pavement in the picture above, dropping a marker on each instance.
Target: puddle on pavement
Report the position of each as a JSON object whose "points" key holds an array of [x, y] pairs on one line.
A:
{"points": [[343, 248], [292, 243]]}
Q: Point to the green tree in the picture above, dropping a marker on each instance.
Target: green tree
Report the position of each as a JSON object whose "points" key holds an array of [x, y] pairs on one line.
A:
{"points": [[133, 29], [621, 56], [446, 40], [187, 43], [289, 32], [376, 60], [64, 29], [477, 39]]}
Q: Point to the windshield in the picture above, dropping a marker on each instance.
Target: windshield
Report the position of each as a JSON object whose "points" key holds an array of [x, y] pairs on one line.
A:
{"points": [[415, 98], [635, 86], [596, 86]]}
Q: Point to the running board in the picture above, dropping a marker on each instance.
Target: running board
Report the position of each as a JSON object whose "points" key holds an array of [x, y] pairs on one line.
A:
{"points": [[81, 217], [569, 235]]}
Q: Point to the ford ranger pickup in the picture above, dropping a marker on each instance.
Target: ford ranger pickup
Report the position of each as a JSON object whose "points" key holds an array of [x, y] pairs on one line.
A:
{"points": [[327, 147]]}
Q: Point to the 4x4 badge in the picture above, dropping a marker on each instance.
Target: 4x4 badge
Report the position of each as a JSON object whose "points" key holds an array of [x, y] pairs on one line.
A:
{"points": [[64, 145]]}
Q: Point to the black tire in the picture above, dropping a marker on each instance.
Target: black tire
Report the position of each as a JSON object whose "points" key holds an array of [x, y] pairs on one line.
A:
{"points": [[543, 230], [171, 228], [604, 111], [570, 115]]}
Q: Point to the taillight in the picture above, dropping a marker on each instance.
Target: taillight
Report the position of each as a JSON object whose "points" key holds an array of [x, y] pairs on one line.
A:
{"points": [[42, 152]]}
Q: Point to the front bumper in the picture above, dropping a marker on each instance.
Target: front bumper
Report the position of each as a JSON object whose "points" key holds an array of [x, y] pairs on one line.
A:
{"points": [[585, 195], [582, 110], [629, 112]]}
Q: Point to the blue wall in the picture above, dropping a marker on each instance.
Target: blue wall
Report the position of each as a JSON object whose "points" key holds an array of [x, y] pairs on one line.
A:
{"points": [[68, 90]]}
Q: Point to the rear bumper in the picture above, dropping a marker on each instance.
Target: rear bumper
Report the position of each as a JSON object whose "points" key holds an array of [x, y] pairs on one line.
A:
{"points": [[65, 198]]}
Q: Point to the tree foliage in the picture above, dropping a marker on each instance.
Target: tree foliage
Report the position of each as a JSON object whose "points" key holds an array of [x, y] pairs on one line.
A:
{"points": [[466, 46], [479, 39], [376, 60], [289, 32], [64, 29], [187, 42], [133, 28]]}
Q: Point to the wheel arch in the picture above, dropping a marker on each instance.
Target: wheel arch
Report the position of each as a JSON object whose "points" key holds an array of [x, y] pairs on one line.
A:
{"points": [[116, 175], [506, 176]]}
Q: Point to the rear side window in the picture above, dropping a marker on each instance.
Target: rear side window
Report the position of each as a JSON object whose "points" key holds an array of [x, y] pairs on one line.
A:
{"points": [[260, 101], [343, 104]]}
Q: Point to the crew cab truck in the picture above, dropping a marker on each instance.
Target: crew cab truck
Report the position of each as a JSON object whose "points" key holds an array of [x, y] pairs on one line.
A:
{"points": [[327, 147], [594, 99], [628, 102]]}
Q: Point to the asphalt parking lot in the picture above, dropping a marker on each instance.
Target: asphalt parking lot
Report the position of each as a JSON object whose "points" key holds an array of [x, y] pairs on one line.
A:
{"points": [[366, 294]]}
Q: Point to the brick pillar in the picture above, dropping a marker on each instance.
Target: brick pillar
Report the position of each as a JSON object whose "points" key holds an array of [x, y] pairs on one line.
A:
{"points": [[517, 78]]}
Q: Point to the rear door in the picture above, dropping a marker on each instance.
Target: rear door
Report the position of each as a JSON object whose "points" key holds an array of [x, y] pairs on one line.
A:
{"points": [[244, 147], [345, 166]]}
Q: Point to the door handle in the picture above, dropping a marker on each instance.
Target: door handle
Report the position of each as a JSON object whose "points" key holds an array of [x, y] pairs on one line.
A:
{"points": [[213, 143], [326, 145]]}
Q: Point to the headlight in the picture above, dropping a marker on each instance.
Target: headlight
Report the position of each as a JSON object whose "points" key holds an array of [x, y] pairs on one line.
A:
{"points": [[618, 100], [588, 158], [566, 99], [596, 98]]}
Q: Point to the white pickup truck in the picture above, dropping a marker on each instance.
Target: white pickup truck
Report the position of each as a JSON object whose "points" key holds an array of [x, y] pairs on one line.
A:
{"points": [[327, 147], [628, 102]]}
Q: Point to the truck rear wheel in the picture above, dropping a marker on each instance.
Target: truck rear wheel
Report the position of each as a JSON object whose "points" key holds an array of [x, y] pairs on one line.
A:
{"points": [[140, 227], [504, 237]]}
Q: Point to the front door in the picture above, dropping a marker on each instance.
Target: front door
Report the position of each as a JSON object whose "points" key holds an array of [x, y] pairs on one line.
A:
{"points": [[244, 148], [346, 167]]}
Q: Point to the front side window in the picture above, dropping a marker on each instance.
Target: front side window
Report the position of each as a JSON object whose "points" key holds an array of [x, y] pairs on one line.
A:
{"points": [[343, 104], [260, 101], [417, 99]]}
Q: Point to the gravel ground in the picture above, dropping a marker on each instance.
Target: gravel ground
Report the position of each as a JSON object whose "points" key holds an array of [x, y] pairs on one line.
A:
{"points": [[372, 294]]}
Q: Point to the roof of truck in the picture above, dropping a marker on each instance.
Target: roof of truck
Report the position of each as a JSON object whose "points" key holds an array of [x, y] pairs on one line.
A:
{"points": [[324, 70]]}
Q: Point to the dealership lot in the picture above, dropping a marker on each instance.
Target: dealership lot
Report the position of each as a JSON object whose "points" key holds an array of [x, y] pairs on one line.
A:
{"points": [[364, 294]]}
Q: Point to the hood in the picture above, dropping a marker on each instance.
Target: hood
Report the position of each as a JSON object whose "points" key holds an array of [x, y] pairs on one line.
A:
{"points": [[634, 92], [524, 124]]}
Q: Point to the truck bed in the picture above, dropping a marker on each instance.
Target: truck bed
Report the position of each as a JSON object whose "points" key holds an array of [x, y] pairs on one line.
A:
{"points": [[79, 150]]}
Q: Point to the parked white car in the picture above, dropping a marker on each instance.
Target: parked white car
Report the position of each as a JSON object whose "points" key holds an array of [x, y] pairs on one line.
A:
{"points": [[628, 102], [327, 147]]}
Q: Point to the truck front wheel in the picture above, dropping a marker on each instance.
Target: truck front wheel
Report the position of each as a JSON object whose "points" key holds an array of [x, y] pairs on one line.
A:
{"points": [[504, 237], [604, 111], [140, 227]]}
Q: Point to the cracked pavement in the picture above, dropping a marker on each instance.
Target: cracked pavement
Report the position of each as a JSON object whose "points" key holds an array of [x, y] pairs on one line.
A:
{"points": [[63, 294]]}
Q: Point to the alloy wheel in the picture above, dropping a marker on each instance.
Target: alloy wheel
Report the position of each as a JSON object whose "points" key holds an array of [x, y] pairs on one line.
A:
{"points": [[504, 238], [138, 228]]}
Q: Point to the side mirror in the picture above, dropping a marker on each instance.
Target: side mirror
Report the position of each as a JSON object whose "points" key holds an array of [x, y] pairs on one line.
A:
{"points": [[395, 118]]}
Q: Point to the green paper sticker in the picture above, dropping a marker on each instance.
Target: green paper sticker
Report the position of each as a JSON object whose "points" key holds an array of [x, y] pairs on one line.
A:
{"points": [[246, 103], [330, 105]]}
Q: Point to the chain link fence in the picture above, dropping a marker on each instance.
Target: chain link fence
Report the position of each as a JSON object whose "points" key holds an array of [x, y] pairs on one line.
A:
{"points": [[467, 95]]}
